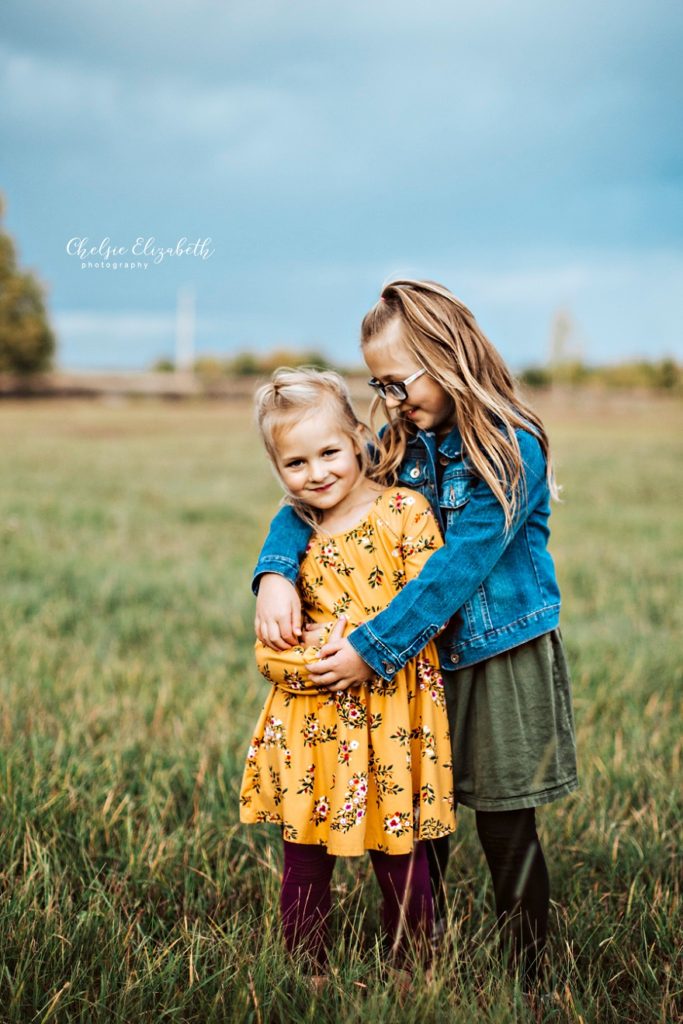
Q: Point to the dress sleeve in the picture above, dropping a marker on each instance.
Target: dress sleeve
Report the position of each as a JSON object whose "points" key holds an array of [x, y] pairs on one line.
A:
{"points": [[287, 669]]}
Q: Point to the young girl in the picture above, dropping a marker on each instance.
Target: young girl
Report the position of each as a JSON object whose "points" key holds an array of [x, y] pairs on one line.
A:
{"points": [[368, 768], [459, 433]]}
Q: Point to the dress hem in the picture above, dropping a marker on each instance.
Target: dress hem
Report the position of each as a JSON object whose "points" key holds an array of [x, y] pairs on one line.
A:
{"points": [[336, 852]]}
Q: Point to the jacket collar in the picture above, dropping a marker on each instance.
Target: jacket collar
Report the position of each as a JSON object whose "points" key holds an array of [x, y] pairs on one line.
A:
{"points": [[451, 446]]}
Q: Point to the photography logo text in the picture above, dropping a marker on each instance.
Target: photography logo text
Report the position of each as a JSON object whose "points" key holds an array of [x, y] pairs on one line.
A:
{"points": [[143, 253]]}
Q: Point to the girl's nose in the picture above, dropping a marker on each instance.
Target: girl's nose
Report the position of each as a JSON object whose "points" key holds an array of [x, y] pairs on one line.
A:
{"points": [[391, 402]]}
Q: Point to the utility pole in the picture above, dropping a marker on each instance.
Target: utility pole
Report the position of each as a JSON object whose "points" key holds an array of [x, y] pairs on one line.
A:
{"points": [[565, 346], [185, 324]]}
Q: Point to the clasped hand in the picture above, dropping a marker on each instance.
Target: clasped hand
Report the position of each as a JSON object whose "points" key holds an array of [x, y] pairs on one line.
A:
{"points": [[278, 625]]}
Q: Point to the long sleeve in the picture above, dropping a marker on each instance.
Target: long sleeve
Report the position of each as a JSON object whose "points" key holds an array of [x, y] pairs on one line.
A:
{"points": [[287, 669], [473, 546], [284, 547]]}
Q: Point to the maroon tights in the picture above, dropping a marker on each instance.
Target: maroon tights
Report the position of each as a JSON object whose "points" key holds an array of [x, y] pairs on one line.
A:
{"points": [[305, 897]]}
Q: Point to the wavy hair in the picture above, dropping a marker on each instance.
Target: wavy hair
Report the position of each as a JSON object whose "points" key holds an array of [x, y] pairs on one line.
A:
{"points": [[290, 395], [441, 334]]}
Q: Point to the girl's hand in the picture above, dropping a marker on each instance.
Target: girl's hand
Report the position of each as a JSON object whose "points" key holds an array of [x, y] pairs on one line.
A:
{"points": [[278, 612], [339, 666], [314, 632]]}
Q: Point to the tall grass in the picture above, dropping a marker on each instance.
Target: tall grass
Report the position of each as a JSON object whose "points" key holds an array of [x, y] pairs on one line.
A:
{"points": [[129, 891]]}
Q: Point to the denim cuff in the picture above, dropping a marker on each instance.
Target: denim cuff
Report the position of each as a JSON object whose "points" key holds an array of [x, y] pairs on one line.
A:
{"points": [[373, 652], [275, 563]]}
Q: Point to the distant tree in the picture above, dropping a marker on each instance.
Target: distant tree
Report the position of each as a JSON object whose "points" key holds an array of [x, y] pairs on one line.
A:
{"points": [[27, 343], [249, 363], [244, 364], [209, 366], [667, 374], [536, 377], [163, 365], [294, 358]]}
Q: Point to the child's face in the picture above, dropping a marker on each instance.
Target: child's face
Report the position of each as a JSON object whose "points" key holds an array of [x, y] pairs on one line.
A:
{"points": [[428, 405], [317, 461]]}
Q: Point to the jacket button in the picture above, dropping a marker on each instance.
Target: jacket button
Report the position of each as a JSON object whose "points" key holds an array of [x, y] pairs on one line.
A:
{"points": [[455, 658], [415, 472], [444, 460], [389, 667]]}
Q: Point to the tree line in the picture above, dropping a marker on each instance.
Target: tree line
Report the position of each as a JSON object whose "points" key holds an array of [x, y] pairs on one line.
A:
{"points": [[27, 343]]}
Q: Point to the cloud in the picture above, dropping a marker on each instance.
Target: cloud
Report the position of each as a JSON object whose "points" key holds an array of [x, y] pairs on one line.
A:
{"points": [[521, 152]]}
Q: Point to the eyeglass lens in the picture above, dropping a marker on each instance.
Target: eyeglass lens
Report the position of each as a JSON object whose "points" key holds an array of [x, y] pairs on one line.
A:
{"points": [[396, 389]]}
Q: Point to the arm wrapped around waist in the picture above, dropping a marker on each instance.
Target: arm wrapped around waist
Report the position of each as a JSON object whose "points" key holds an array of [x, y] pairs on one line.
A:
{"points": [[288, 669]]}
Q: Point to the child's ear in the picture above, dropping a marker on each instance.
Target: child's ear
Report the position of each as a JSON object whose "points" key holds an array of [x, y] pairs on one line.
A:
{"points": [[358, 442], [361, 438]]}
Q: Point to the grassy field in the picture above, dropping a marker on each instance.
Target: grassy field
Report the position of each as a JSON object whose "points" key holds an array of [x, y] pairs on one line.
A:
{"points": [[129, 891]]}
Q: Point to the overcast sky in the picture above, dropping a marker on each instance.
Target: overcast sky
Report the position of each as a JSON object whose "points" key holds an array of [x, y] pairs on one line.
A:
{"points": [[526, 154]]}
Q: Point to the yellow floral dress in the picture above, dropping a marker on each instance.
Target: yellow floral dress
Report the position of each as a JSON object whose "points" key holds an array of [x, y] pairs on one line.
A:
{"points": [[368, 768]]}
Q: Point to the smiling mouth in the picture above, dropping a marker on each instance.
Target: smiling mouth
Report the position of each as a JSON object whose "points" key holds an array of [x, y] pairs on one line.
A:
{"points": [[320, 490]]}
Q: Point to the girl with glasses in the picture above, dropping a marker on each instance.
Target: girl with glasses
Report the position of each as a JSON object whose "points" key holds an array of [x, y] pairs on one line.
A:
{"points": [[460, 433]]}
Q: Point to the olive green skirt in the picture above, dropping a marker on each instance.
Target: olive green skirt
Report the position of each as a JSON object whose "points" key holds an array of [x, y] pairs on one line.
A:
{"points": [[512, 727]]}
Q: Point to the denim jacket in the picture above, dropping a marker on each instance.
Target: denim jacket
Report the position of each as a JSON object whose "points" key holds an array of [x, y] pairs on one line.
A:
{"points": [[498, 589]]}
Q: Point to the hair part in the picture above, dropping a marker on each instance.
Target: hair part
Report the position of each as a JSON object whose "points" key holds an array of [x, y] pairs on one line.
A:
{"points": [[291, 395], [441, 334]]}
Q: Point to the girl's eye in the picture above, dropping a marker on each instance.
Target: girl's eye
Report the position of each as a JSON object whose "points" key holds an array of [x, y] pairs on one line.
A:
{"points": [[293, 465], [330, 451]]}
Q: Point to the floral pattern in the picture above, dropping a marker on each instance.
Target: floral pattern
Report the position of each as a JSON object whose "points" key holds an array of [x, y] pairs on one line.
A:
{"points": [[342, 605], [329, 557], [431, 680], [363, 536], [354, 804], [400, 501], [375, 577], [352, 710], [398, 823], [368, 767]]}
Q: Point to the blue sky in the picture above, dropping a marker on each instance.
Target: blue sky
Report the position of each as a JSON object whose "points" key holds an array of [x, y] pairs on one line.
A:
{"points": [[528, 155]]}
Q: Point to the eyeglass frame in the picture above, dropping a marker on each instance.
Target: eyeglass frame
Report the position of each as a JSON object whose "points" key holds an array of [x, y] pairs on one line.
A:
{"points": [[400, 387]]}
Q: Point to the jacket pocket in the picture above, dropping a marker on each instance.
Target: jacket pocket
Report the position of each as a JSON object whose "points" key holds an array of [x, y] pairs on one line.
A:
{"points": [[456, 489]]}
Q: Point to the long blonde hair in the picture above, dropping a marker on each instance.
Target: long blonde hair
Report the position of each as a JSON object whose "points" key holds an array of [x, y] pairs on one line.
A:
{"points": [[441, 334], [291, 394]]}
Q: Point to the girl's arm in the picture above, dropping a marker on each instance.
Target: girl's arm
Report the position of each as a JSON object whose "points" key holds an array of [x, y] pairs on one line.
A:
{"points": [[284, 547], [278, 608], [289, 668], [474, 543]]}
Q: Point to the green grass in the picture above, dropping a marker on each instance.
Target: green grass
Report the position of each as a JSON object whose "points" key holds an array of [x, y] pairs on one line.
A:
{"points": [[129, 890]]}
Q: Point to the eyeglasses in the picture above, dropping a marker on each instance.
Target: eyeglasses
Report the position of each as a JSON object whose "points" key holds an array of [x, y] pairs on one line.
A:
{"points": [[396, 388]]}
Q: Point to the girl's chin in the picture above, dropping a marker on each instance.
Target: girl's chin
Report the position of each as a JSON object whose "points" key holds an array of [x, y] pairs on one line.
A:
{"points": [[418, 419]]}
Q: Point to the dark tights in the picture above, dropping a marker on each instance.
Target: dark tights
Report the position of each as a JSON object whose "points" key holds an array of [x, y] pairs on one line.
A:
{"points": [[305, 897], [520, 883]]}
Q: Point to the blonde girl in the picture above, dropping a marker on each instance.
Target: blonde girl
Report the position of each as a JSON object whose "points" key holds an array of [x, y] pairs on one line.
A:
{"points": [[459, 432], [368, 767]]}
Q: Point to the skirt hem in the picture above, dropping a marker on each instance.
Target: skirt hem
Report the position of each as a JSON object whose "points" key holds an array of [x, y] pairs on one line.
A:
{"points": [[517, 803]]}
